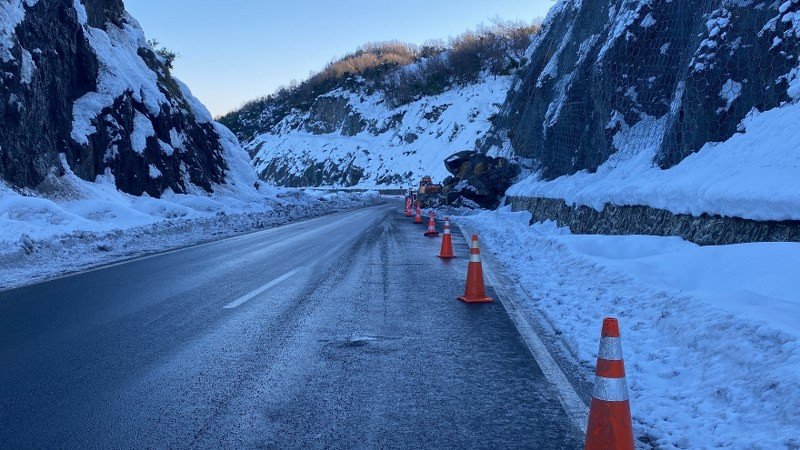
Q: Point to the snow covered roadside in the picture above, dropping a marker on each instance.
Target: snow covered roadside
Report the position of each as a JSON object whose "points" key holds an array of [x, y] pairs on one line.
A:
{"points": [[711, 334], [41, 239]]}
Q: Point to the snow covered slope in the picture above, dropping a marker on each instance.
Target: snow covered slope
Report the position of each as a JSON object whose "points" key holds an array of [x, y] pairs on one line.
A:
{"points": [[674, 104], [352, 138], [753, 175], [386, 114], [609, 76]]}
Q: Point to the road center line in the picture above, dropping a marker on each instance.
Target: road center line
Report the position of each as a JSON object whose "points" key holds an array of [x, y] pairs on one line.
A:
{"points": [[245, 298]]}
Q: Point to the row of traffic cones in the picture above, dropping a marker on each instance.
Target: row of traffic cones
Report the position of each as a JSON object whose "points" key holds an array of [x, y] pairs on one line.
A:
{"points": [[475, 291], [610, 425]]}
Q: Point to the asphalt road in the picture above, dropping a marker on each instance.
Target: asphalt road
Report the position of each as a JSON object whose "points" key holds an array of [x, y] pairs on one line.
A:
{"points": [[337, 332]]}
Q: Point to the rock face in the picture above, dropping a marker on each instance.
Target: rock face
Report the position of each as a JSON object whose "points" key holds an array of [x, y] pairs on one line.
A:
{"points": [[78, 79], [669, 75], [353, 138], [477, 179], [385, 115], [704, 230]]}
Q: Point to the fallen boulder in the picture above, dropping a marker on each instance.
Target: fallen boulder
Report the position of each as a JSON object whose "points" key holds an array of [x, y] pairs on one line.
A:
{"points": [[477, 181]]}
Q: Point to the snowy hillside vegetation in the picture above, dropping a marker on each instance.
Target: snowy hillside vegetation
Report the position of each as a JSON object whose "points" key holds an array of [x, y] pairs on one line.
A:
{"points": [[389, 147], [385, 115], [679, 105]]}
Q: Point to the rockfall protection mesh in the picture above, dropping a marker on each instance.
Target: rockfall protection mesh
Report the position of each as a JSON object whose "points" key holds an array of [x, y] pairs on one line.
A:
{"points": [[658, 76]]}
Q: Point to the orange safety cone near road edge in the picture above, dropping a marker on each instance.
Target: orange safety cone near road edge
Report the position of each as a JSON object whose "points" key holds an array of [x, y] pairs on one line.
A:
{"points": [[418, 217], [447, 242], [475, 291], [408, 206], [431, 226], [610, 425]]}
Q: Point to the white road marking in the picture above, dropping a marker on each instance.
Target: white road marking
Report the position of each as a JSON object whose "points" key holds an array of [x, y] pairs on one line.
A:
{"points": [[262, 289], [576, 409], [129, 260]]}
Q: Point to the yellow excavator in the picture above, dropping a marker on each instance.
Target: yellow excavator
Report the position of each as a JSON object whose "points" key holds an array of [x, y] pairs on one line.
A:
{"points": [[426, 186]]}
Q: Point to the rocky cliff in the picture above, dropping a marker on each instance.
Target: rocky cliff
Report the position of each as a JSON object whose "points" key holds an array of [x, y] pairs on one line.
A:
{"points": [[667, 76], [660, 117], [352, 139], [385, 115], [82, 91]]}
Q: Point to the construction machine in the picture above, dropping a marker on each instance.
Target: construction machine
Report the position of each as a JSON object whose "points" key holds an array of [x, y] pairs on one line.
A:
{"points": [[426, 186]]}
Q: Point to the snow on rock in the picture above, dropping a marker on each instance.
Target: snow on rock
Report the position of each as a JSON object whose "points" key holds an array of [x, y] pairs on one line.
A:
{"points": [[142, 129], [28, 67], [118, 106], [753, 175], [121, 70], [154, 172], [710, 334], [672, 79], [730, 91], [12, 13], [386, 147]]}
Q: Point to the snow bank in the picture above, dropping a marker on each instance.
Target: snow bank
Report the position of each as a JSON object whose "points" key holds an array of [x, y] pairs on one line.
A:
{"points": [[711, 334], [753, 175], [96, 224]]}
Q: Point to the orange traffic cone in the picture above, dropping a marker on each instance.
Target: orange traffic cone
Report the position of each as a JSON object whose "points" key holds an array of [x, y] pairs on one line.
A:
{"points": [[475, 291], [447, 242], [418, 217], [408, 206], [431, 227], [610, 425]]}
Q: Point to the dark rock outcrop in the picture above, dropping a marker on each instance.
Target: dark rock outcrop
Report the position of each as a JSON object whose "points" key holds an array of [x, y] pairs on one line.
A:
{"points": [[612, 219], [626, 75], [477, 179], [78, 79]]}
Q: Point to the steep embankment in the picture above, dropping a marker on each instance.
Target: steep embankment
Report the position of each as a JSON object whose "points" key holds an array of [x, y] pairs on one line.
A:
{"points": [[385, 115], [83, 92], [623, 101], [353, 139]]}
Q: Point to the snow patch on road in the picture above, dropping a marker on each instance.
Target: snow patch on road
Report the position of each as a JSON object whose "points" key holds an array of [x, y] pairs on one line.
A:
{"points": [[711, 334]]}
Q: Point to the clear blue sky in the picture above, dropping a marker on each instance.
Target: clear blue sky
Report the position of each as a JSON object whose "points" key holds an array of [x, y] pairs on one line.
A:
{"points": [[236, 50]]}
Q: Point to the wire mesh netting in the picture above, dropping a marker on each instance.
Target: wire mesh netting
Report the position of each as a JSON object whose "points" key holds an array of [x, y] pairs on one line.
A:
{"points": [[658, 76]]}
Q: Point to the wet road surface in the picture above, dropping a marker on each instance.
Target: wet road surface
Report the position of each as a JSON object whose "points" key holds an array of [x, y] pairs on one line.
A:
{"points": [[337, 332]]}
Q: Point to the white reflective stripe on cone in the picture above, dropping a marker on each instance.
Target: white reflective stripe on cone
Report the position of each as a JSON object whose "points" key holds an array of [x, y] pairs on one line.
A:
{"points": [[447, 231], [610, 349], [474, 258], [610, 389]]}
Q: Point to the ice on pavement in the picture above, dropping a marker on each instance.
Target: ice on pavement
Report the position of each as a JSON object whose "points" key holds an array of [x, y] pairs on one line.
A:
{"points": [[711, 334]]}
